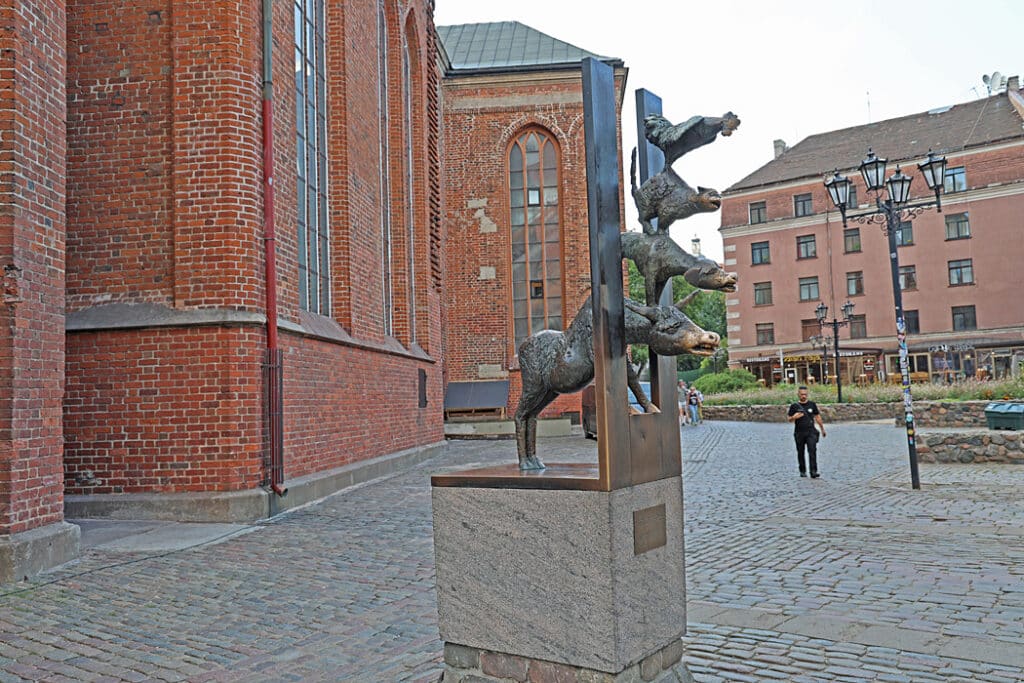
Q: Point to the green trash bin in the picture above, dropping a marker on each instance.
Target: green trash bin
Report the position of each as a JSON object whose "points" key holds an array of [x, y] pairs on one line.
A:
{"points": [[1005, 415]]}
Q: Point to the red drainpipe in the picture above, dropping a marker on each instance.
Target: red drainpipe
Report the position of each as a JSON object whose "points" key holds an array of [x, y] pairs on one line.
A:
{"points": [[273, 386]]}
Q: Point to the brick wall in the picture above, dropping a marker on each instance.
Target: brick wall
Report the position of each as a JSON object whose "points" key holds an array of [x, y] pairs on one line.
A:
{"points": [[482, 116], [163, 409], [32, 224], [166, 201]]}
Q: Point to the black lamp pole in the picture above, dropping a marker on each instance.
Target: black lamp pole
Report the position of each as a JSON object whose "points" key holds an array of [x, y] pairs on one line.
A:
{"points": [[892, 211], [822, 314]]}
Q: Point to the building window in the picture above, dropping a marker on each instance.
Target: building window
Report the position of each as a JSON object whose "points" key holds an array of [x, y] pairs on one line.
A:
{"points": [[913, 322], [806, 247], [536, 234], [958, 227], [765, 333], [955, 180], [311, 157], [964, 319], [858, 326], [809, 327], [905, 234], [908, 277], [855, 283], [410, 187], [759, 253], [808, 288], [758, 212], [802, 205], [851, 240], [762, 293], [851, 197], [961, 272]]}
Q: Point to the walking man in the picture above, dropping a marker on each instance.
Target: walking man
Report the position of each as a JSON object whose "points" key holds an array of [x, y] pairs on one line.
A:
{"points": [[804, 414]]}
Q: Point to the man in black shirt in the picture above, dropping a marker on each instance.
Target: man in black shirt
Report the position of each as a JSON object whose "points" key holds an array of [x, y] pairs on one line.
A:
{"points": [[804, 414]]}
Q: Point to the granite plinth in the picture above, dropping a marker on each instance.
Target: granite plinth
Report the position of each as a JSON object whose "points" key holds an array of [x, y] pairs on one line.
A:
{"points": [[555, 575]]}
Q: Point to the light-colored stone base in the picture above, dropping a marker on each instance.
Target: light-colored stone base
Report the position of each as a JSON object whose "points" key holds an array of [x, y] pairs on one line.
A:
{"points": [[241, 506], [554, 576], [484, 429], [26, 554], [469, 665]]}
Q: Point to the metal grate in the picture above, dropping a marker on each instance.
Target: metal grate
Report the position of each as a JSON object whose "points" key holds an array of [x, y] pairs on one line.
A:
{"points": [[273, 419]]}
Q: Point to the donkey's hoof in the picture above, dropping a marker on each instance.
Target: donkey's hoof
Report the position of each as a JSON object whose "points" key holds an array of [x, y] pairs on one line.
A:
{"points": [[533, 463]]}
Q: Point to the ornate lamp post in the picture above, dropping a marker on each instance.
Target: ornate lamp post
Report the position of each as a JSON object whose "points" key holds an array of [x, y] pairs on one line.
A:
{"points": [[889, 214], [821, 312]]}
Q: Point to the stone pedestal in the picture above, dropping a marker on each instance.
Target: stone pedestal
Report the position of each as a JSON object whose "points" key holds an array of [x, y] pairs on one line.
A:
{"points": [[589, 581]]}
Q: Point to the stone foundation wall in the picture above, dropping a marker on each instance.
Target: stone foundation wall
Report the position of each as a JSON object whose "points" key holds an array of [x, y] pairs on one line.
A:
{"points": [[971, 446], [464, 664], [926, 413]]}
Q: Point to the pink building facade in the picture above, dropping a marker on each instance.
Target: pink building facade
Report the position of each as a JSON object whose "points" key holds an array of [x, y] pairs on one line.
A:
{"points": [[959, 269]]}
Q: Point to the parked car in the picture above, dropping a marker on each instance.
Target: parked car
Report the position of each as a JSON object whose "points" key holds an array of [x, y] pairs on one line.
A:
{"points": [[589, 409]]}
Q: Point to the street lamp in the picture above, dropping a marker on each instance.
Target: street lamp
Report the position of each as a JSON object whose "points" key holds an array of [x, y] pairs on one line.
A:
{"points": [[890, 214], [821, 312]]}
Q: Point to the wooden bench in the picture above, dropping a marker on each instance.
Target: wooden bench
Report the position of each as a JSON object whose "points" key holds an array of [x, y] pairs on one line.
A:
{"points": [[486, 398]]}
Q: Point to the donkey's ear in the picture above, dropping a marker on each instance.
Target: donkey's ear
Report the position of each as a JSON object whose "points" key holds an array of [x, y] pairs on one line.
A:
{"points": [[646, 311]]}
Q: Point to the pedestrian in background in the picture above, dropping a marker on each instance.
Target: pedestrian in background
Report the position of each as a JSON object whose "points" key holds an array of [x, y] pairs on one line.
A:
{"points": [[804, 414], [684, 413], [693, 401]]}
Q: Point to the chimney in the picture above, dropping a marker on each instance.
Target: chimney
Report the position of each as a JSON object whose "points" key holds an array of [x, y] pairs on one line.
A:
{"points": [[1013, 83], [780, 148]]}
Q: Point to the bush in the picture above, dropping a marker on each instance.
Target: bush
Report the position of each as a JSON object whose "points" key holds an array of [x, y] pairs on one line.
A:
{"points": [[967, 390], [730, 380]]}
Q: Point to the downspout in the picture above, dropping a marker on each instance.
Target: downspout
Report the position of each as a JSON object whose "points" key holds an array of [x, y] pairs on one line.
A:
{"points": [[273, 384]]}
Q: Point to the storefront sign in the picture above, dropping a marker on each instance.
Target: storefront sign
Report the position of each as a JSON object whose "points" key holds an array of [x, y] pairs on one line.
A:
{"points": [[937, 348]]}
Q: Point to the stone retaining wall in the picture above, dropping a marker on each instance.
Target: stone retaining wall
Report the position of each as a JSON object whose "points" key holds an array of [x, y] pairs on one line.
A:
{"points": [[971, 446], [926, 413]]}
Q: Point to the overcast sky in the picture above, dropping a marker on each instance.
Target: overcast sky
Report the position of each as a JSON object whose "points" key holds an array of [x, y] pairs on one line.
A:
{"points": [[787, 68]]}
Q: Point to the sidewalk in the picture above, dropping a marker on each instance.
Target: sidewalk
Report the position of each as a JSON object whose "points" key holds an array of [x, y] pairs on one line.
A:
{"points": [[852, 577]]}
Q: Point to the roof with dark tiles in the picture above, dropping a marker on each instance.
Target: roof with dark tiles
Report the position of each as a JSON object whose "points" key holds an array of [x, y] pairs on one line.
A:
{"points": [[508, 46], [944, 130]]}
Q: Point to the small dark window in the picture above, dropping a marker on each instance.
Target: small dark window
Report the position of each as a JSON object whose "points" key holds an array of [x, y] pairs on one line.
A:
{"points": [[536, 289], [809, 327], [758, 212], [809, 288], [913, 322], [858, 326], [964, 318], [762, 293], [765, 333], [759, 253], [855, 283], [955, 180], [851, 240], [905, 234], [908, 277], [802, 205], [806, 246], [961, 272], [958, 227]]}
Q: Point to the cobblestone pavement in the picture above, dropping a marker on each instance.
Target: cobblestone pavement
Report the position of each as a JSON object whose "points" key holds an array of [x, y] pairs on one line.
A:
{"points": [[851, 577]]}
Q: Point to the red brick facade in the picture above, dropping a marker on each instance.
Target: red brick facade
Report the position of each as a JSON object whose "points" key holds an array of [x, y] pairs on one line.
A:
{"points": [[990, 201], [32, 195], [483, 114], [165, 282]]}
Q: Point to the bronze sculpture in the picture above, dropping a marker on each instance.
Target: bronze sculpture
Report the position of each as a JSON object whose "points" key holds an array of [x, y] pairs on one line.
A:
{"points": [[554, 363]]}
